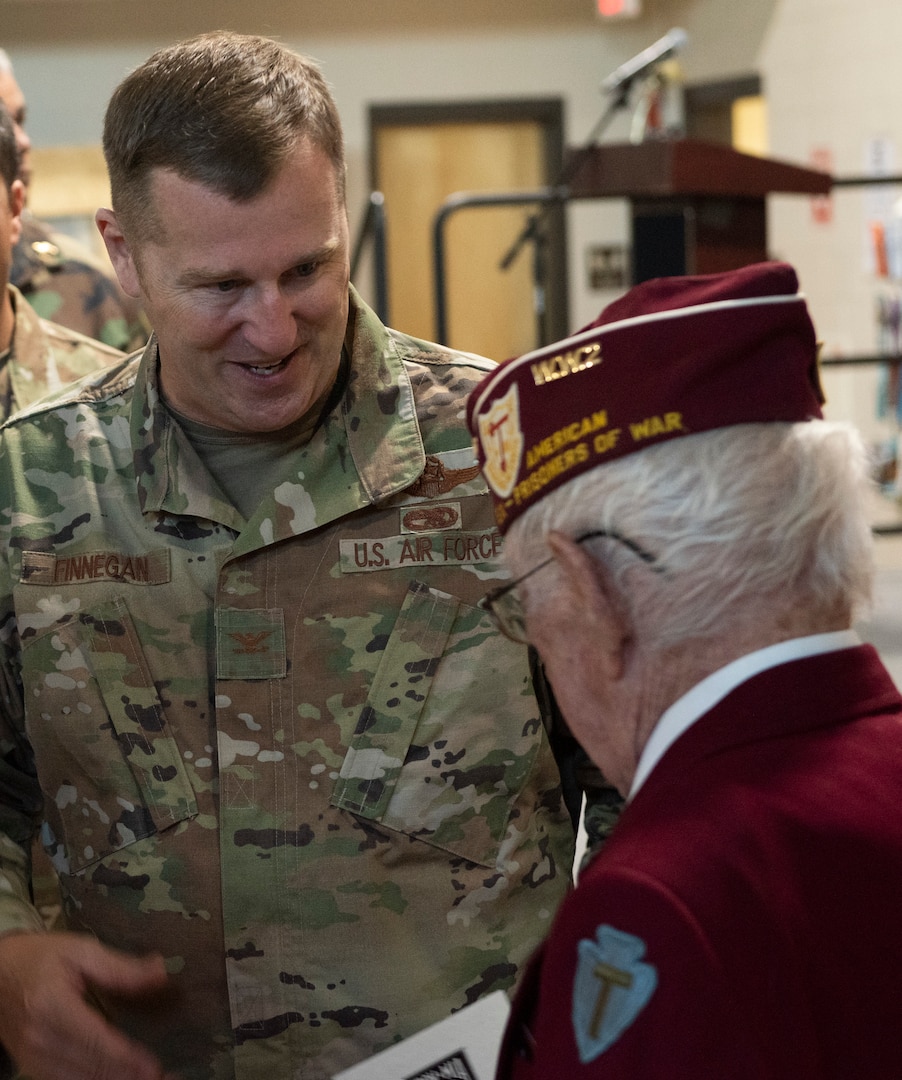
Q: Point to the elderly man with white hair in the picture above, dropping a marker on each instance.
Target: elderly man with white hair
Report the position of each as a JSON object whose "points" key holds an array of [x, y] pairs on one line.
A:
{"points": [[690, 549]]}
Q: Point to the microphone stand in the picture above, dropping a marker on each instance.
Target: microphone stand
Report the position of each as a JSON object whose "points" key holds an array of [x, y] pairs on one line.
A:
{"points": [[534, 230]]}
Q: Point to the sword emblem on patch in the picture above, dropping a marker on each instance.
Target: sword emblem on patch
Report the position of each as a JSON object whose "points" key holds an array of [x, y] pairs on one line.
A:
{"points": [[611, 987], [502, 442]]}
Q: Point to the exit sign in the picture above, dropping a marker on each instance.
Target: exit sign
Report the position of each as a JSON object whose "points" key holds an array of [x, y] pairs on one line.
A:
{"points": [[619, 9]]}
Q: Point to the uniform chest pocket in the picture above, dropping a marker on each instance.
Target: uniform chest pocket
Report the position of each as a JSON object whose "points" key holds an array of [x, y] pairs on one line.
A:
{"points": [[110, 770], [449, 733]]}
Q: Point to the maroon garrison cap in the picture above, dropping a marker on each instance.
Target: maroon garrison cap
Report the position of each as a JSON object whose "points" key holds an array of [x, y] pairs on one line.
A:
{"points": [[672, 357]]}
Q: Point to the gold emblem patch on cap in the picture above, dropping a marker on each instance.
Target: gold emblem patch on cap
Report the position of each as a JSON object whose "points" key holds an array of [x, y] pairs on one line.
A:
{"points": [[502, 441]]}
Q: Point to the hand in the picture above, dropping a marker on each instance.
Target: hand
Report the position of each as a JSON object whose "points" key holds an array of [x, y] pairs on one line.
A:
{"points": [[47, 1025]]}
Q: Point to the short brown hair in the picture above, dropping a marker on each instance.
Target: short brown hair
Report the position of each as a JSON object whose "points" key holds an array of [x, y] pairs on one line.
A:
{"points": [[222, 109]]}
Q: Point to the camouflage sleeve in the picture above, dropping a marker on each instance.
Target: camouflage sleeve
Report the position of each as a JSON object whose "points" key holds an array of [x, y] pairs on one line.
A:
{"points": [[20, 796]]}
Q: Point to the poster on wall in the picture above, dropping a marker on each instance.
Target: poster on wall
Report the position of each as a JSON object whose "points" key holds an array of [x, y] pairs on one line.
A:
{"points": [[821, 158], [882, 205]]}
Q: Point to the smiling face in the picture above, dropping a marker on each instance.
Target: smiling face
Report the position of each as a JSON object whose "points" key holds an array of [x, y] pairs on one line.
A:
{"points": [[248, 299]]}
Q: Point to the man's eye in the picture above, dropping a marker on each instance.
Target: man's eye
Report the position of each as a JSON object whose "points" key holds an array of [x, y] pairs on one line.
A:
{"points": [[226, 286], [306, 269]]}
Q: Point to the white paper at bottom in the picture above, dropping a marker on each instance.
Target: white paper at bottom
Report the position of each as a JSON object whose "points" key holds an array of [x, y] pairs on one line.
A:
{"points": [[463, 1046]]}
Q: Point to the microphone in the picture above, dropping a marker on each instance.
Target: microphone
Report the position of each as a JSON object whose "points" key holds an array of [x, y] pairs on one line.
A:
{"points": [[647, 59]]}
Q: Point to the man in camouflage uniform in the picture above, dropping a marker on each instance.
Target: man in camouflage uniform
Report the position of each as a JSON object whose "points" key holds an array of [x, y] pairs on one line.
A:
{"points": [[36, 356], [272, 740], [59, 277]]}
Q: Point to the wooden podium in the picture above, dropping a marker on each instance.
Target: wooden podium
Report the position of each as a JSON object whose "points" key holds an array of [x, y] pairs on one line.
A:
{"points": [[696, 207]]}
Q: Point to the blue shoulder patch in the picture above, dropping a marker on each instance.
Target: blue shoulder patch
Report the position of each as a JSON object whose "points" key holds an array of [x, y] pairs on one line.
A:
{"points": [[612, 986]]}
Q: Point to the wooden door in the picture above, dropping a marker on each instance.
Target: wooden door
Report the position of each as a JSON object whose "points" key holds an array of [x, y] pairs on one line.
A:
{"points": [[419, 160]]}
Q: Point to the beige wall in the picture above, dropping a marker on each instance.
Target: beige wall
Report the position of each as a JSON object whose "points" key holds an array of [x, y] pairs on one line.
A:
{"points": [[830, 71]]}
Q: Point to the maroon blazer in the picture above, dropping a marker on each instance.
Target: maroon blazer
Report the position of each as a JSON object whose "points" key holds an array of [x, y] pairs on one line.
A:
{"points": [[744, 921]]}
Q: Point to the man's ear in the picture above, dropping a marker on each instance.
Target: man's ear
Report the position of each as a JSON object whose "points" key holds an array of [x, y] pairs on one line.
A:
{"points": [[119, 251], [16, 206], [596, 609]]}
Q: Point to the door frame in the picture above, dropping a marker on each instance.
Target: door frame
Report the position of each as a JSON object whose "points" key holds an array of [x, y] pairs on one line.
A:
{"points": [[548, 114]]}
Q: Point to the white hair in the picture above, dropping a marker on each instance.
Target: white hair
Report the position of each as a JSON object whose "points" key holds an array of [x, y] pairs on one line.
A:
{"points": [[755, 517]]}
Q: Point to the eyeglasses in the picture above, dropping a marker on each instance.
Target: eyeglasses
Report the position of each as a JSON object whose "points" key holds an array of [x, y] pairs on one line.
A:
{"points": [[505, 607]]}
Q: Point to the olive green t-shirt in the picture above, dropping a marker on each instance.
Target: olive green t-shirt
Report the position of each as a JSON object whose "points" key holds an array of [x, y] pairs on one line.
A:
{"points": [[247, 464]]}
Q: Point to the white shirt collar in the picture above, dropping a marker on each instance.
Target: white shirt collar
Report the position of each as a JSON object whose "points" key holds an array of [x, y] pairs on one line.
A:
{"points": [[684, 712]]}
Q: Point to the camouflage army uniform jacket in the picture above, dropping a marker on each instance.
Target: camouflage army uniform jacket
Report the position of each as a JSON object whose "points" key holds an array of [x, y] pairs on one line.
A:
{"points": [[290, 753], [44, 357], [66, 283]]}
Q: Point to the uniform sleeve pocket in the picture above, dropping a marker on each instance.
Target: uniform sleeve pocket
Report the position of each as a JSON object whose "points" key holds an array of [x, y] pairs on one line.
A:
{"points": [[108, 763], [443, 746]]}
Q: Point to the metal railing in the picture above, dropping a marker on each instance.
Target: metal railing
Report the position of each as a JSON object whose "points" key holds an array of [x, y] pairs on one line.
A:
{"points": [[467, 200], [373, 230]]}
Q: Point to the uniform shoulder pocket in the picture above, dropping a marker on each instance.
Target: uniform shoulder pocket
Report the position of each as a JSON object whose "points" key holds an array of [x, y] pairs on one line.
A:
{"points": [[108, 764], [449, 732]]}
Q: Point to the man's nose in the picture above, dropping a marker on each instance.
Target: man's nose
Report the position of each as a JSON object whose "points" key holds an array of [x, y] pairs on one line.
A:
{"points": [[271, 324]]}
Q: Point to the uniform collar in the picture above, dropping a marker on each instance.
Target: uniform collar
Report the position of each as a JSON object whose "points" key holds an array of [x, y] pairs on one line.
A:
{"points": [[368, 447], [29, 354], [686, 710]]}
